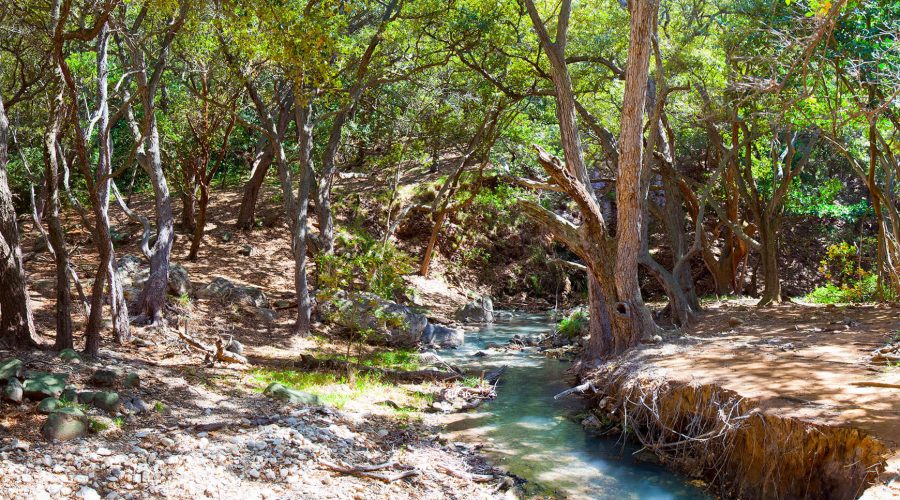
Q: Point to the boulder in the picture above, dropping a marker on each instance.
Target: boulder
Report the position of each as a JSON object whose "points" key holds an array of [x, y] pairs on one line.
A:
{"points": [[105, 378], [106, 401], [13, 390], [133, 274], [179, 281], [393, 323], [221, 288], [245, 250], [478, 311], [132, 380], [502, 316], [235, 347], [442, 336], [48, 405], [278, 391], [64, 424], [10, 368], [39, 385]]}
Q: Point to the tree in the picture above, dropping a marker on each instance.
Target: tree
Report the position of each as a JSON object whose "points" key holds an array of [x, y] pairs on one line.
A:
{"points": [[16, 322]]}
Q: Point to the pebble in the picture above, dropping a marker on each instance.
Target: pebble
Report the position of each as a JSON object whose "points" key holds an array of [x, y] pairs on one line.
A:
{"points": [[88, 493]]}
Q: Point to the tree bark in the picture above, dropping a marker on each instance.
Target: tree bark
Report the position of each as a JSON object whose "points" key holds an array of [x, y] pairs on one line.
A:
{"points": [[16, 322], [56, 234], [247, 212], [631, 313]]}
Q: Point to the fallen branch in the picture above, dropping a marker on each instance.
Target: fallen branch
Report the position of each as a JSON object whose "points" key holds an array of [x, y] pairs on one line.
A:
{"points": [[367, 471], [218, 353], [468, 476], [578, 388]]}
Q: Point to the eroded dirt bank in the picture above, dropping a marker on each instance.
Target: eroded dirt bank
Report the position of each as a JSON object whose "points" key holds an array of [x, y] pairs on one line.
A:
{"points": [[766, 404]]}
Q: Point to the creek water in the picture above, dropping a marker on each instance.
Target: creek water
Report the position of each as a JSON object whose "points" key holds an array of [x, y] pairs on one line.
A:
{"points": [[533, 436]]}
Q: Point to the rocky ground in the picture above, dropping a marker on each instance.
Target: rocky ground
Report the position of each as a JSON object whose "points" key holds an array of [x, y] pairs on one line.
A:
{"points": [[227, 442]]}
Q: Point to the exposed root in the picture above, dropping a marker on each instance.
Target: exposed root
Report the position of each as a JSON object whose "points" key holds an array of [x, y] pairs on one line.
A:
{"points": [[711, 432]]}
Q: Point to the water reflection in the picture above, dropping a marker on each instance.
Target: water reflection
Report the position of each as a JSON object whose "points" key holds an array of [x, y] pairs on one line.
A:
{"points": [[530, 434]]}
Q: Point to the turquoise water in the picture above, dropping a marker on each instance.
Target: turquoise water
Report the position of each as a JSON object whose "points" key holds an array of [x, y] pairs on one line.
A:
{"points": [[533, 436]]}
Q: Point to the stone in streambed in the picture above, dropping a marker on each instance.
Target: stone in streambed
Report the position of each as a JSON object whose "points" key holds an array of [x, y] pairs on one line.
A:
{"points": [[478, 311], [278, 391], [442, 336]]}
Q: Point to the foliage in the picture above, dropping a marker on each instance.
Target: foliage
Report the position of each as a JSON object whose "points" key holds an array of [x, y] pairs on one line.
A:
{"points": [[364, 264], [574, 325], [849, 282]]}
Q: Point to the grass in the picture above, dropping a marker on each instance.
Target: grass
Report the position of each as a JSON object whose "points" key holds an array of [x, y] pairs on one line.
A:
{"points": [[332, 389], [398, 359], [337, 390], [573, 325]]}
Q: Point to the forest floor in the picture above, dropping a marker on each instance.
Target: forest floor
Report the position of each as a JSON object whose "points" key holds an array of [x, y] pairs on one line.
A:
{"points": [[208, 431], [809, 362], [802, 361]]}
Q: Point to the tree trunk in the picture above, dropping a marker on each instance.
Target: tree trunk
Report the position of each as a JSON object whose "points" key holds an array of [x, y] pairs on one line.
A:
{"points": [[16, 323], [56, 236], [200, 227], [247, 213], [188, 209], [769, 258], [299, 235], [632, 319]]}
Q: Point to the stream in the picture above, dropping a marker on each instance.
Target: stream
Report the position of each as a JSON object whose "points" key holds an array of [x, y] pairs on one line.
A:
{"points": [[532, 436]]}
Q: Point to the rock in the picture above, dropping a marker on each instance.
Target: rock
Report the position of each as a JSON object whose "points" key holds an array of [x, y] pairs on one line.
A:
{"points": [[235, 347], [38, 385], [655, 339], [136, 405], [105, 378], [265, 315], [221, 288], [10, 368], [278, 391], [86, 397], [119, 237], [87, 493], [106, 401], [40, 244], [480, 354], [226, 237], [282, 304], [393, 323], [478, 311], [69, 394], [13, 391], [65, 424], [179, 281], [133, 274], [69, 354], [440, 335], [245, 250], [732, 322], [592, 422], [502, 316], [132, 380], [142, 342], [47, 405]]}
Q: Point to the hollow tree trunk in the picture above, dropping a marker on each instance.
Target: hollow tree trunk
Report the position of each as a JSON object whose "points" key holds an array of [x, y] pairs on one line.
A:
{"points": [[16, 323]]}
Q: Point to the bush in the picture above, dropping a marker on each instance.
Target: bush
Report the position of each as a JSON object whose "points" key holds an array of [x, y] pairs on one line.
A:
{"points": [[849, 282], [574, 325], [364, 264]]}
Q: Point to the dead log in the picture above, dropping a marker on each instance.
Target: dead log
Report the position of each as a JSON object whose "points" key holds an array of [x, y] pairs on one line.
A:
{"points": [[217, 353]]}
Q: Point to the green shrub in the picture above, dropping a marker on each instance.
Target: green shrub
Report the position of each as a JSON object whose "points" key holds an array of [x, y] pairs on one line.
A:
{"points": [[574, 325], [862, 290]]}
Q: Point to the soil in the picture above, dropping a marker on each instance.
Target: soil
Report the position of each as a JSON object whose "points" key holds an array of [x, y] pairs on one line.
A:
{"points": [[800, 362]]}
